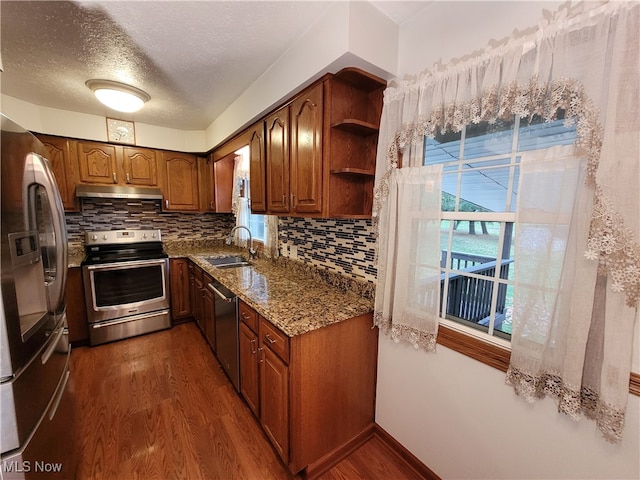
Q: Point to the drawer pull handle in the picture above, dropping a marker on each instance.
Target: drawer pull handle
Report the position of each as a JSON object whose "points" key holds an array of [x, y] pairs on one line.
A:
{"points": [[269, 339]]}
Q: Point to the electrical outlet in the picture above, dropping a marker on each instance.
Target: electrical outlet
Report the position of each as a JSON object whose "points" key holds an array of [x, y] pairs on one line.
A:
{"points": [[284, 250], [293, 252]]}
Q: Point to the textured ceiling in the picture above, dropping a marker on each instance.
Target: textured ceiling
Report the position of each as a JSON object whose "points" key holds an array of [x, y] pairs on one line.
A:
{"points": [[193, 57]]}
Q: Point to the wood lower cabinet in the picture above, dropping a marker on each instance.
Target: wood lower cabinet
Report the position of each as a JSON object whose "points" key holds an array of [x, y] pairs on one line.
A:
{"points": [[76, 308], [249, 368], [312, 393], [180, 290]]}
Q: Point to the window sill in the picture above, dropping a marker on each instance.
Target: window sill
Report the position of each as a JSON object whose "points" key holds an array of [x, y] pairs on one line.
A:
{"points": [[493, 355]]}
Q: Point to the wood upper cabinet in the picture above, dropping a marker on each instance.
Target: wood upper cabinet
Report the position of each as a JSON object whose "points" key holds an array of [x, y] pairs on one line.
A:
{"points": [[205, 184], [61, 154], [223, 183], [180, 289], [140, 167], [257, 168], [98, 162], [294, 155], [103, 163], [277, 160], [181, 192], [306, 151]]}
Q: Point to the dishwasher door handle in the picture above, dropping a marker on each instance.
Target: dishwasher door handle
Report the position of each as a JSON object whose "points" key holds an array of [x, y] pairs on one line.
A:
{"points": [[220, 294]]}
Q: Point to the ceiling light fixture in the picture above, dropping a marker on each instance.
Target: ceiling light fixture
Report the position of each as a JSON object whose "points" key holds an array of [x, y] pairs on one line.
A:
{"points": [[118, 96]]}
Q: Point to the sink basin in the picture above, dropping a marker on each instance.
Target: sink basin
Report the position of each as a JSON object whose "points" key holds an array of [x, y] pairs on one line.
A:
{"points": [[228, 262]]}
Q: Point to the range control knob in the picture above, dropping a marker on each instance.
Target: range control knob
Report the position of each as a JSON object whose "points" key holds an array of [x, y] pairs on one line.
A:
{"points": [[94, 237], [105, 237], [144, 235]]}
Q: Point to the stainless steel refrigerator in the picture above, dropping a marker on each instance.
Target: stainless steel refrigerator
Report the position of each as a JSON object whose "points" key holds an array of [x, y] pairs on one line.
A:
{"points": [[36, 400]]}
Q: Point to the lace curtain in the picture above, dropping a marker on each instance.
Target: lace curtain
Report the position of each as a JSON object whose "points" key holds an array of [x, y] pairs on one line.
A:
{"points": [[409, 257], [582, 61]]}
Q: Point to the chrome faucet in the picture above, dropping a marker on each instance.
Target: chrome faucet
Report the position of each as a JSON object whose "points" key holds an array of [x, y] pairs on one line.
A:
{"points": [[252, 251]]}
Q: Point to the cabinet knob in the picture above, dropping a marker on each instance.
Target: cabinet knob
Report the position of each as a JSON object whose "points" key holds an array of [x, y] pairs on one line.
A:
{"points": [[128, 178], [166, 203], [293, 204], [115, 180]]}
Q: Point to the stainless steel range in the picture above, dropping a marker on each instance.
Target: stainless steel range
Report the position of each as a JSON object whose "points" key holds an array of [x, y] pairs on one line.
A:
{"points": [[126, 281]]}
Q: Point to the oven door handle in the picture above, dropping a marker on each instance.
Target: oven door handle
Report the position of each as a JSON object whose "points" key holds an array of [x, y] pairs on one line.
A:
{"points": [[120, 265], [127, 319]]}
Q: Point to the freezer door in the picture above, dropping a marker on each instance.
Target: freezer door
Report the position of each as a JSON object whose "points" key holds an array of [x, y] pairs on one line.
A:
{"points": [[51, 451], [25, 397]]}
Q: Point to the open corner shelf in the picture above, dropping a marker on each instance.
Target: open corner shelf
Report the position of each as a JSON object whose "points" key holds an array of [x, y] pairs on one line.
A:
{"points": [[353, 171], [357, 127]]}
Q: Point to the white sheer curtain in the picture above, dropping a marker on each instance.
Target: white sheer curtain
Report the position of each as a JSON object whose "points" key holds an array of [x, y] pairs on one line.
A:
{"points": [[581, 61], [409, 257]]}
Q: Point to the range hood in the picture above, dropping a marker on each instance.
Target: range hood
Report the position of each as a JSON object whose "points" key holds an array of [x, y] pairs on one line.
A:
{"points": [[118, 191]]}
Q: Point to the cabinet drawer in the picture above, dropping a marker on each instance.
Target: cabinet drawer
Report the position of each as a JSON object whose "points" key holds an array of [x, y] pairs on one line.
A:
{"points": [[273, 338], [249, 316]]}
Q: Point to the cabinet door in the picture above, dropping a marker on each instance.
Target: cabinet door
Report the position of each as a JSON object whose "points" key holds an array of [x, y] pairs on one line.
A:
{"points": [[277, 132], [223, 179], [205, 184], [140, 166], [181, 190], [274, 401], [59, 154], [249, 380], [306, 151], [180, 299], [98, 162], [257, 169]]}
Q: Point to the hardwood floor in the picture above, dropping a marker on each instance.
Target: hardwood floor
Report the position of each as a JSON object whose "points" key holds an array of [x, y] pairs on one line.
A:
{"points": [[159, 406]]}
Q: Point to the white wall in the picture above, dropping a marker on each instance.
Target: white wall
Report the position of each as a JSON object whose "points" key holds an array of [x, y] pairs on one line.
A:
{"points": [[456, 414], [348, 34]]}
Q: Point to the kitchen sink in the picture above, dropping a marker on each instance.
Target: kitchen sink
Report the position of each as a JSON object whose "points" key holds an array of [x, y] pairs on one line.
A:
{"points": [[232, 261]]}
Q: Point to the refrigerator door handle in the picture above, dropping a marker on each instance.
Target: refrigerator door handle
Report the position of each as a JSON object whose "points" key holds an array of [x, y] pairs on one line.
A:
{"points": [[44, 177]]}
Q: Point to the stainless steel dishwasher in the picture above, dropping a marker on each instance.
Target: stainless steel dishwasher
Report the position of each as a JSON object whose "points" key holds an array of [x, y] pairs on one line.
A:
{"points": [[227, 331]]}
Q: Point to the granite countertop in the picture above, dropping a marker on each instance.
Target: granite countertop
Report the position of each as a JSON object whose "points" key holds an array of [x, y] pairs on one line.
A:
{"points": [[291, 297]]}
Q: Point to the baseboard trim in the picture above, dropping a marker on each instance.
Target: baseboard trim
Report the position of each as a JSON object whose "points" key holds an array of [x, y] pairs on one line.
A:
{"points": [[405, 455], [320, 467], [316, 469]]}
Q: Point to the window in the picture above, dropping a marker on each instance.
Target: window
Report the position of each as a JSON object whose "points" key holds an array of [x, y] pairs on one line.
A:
{"points": [[256, 223], [479, 197]]}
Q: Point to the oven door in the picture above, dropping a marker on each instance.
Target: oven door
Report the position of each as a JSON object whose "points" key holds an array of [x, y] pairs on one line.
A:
{"points": [[122, 289]]}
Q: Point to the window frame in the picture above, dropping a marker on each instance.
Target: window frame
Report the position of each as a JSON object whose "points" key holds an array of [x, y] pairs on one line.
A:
{"points": [[488, 349]]}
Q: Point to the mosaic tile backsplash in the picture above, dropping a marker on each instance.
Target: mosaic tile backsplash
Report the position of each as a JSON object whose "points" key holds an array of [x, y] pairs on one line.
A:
{"points": [[346, 247], [115, 214]]}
